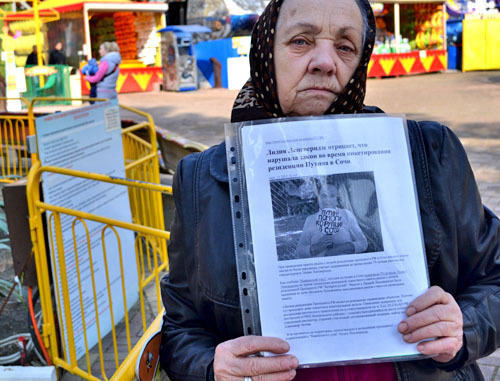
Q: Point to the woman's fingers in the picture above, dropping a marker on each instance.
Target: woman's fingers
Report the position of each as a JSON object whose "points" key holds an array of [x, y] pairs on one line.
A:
{"points": [[255, 366], [443, 349], [232, 359], [281, 376], [435, 314], [248, 345], [439, 329], [434, 295]]}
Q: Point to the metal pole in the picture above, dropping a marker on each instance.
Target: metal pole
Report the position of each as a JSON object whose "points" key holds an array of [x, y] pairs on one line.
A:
{"points": [[397, 28], [445, 36], [86, 28], [38, 40]]}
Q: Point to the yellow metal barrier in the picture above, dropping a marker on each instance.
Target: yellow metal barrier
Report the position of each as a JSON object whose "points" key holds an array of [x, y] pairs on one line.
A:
{"points": [[14, 159], [150, 264], [141, 158], [145, 195]]}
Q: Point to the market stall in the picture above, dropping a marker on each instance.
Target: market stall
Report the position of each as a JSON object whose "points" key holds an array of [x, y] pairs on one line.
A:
{"points": [[84, 25], [481, 41], [411, 38]]}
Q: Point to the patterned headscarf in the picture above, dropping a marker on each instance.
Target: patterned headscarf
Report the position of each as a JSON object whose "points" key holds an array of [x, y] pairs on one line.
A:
{"points": [[258, 99]]}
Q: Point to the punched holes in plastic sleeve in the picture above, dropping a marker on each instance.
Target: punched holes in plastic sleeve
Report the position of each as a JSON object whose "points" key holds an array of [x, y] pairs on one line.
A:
{"points": [[245, 292]]}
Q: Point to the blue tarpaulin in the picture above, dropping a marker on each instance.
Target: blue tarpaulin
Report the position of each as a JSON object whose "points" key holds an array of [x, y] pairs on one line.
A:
{"points": [[186, 29]]}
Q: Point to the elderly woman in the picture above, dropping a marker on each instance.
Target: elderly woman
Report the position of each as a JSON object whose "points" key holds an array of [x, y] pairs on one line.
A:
{"points": [[311, 58], [107, 75]]}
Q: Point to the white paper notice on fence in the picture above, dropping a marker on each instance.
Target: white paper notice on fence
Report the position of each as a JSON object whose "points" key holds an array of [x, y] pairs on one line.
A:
{"points": [[89, 139], [336, 234]]}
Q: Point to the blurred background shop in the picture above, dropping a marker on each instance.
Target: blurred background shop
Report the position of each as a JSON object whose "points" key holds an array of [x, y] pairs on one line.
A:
{"points": [[184, 45]]}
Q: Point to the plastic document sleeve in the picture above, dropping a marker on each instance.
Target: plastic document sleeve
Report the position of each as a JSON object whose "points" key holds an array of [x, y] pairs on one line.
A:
{"points": [[328, 239]]}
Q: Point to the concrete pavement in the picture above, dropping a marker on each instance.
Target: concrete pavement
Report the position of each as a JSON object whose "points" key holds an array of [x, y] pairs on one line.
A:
{"points": [[466, 102]]}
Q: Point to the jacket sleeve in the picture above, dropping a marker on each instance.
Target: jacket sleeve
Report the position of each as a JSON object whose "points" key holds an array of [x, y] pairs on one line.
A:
{"points": [[476, 238], [187, 348], [101, 72]]}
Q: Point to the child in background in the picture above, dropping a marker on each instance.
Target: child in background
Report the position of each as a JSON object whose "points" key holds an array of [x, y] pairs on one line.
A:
{"points": [[90, 69]]}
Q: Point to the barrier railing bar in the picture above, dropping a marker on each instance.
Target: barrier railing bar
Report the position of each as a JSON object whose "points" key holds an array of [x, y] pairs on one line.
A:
{"points": [[75, 370], [96, 308], [104, 220], [148, 245], [108, 179], [77, 262], [126, 371], [20, 143], [136, 127], [150, 277], [157, 280], [105, 257], [140, 271], [51, 223], [140, 161], [2, 135], [9, 150], [64, 281], [125, 308]]}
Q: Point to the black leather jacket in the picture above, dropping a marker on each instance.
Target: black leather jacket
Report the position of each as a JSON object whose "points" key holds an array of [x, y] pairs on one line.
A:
{"points": [[462, 242]]}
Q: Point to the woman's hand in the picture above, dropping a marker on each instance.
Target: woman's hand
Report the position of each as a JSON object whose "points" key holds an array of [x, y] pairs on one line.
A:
{"points": [[325, 242], [435, 314], [232, 361]]}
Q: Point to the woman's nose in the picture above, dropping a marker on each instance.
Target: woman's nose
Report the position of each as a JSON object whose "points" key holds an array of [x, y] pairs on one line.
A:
{"points": [[323, 59]]}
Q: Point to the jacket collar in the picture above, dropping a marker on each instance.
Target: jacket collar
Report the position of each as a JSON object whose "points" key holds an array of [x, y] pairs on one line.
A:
{"points": [[218, 163]]}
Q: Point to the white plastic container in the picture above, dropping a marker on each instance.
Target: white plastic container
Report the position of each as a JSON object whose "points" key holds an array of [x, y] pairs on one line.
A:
{"points": [[28, 373]]}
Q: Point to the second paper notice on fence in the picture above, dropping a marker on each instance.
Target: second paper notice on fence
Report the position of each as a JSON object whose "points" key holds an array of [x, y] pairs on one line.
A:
{"points": [[336, 235]]}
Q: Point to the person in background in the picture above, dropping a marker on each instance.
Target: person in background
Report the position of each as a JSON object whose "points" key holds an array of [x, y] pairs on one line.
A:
{"points": [[91, 68], [33, 57], [56, 56], [107, 74]]}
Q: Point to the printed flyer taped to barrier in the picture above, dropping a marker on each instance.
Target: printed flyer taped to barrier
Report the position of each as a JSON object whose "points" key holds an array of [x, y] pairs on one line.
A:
{"points": [[88, 139], [337, 241]]}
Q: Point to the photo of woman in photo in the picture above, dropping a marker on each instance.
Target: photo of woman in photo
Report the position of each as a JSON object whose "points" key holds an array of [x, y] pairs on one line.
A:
{"points": [[331, 230]]}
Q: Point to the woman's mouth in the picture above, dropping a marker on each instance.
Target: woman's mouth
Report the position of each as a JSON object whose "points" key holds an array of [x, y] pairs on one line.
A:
{"points": [[319, 90]]}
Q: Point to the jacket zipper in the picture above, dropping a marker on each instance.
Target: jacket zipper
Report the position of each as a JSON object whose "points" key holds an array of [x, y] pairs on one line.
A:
{"points": [[398, 375]]}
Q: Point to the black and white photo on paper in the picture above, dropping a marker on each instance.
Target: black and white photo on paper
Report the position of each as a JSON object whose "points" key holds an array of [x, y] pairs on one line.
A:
{"points": [[321, 216]]}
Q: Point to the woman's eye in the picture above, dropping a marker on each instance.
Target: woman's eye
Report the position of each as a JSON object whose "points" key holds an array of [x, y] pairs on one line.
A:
{"points": [[346, 48], [299, 42]]}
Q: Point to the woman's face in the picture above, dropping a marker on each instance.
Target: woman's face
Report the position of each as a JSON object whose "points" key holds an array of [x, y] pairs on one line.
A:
{"points": [[318, 45], [102, 51], [327, 197]]}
